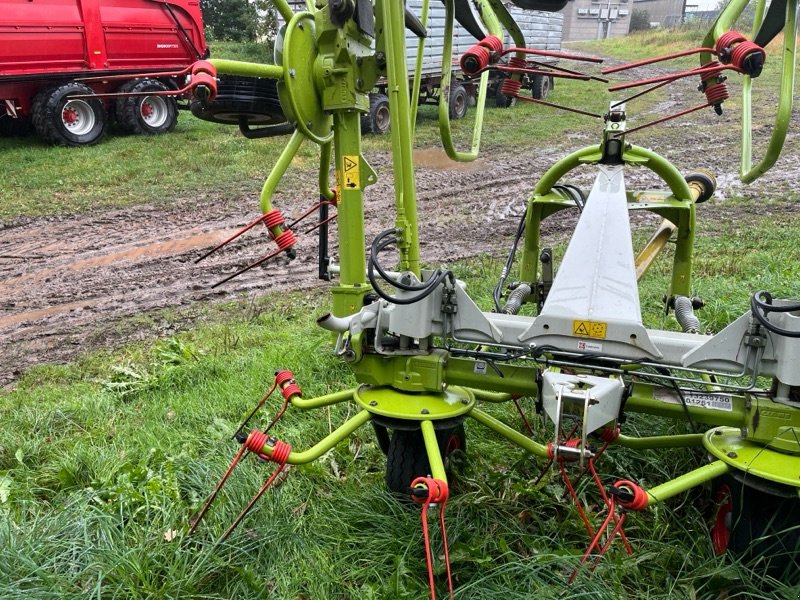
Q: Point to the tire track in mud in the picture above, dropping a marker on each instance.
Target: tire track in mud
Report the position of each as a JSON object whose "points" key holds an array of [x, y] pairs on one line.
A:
{"points": [[70, 284]]}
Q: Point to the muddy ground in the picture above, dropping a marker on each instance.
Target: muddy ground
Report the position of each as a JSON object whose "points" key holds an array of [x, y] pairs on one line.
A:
{"points": [[71, 284]]}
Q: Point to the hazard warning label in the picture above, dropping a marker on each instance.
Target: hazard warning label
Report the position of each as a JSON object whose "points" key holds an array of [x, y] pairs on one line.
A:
{"points": [[352, 178], [593, 329]]}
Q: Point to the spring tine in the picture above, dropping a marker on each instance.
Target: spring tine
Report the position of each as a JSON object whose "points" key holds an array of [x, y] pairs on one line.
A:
{"points": [[564, 75], [566, 70], [213, 495], [650, 61], [230, 239], [640, 94], [551, 53], [251, 504], [257, 407], [248, 267], [309, 211], [560, 107], [320, 224], [664, 119], [670, 78]]}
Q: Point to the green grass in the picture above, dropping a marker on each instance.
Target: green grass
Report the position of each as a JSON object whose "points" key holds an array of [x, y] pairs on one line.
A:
{"points": [[100, 459]]}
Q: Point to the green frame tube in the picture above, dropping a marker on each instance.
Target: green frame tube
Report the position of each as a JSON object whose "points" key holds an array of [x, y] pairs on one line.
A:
{"points": [[326, 400], [328, 442], [686, 482], [432, 449], [512, 435]]}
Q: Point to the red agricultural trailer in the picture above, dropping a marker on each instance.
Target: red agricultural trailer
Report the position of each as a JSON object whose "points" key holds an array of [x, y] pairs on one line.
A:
{"points": [[54, 50]]}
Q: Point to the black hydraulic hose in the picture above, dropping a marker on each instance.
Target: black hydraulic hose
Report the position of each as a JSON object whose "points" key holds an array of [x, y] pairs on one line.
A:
{"points": [[382, 241], [498, 289], [761, 308]]}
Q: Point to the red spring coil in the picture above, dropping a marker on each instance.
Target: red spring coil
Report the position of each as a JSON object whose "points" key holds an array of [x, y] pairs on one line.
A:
{"points": [[280, 452], [512, 86], [256, 441], [609, 434], [475, 60], [437, 490], [743, 50], [493, 43], [286, 240], [573, 443], [713, 85], [639, 501], [273, 218], [728, 39], [283, 376]]}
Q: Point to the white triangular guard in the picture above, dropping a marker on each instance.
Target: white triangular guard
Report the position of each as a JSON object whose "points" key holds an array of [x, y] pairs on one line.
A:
{"points": [[596, 283]]}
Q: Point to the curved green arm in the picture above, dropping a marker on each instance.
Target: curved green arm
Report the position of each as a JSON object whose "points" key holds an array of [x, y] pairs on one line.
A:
{"points": [[749, 173], [687, 440], [325, 400], [512, 435], [328, 442], [277, 173], [633, 155], [447, 74], [418, 69]]}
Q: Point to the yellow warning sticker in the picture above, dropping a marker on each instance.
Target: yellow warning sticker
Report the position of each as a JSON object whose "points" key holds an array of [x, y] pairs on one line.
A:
{"points": [[352, 177], [593, 329]]}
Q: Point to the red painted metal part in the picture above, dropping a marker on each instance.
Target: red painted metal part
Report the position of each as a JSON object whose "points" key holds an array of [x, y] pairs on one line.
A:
{"points": [[49, 42]]}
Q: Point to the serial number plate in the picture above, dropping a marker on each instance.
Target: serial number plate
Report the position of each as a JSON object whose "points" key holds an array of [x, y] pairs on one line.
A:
{"points": [[710, 401]]}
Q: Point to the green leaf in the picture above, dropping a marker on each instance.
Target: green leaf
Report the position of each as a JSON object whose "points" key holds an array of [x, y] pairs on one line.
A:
{"points": [[20, 456], [5, 488]]}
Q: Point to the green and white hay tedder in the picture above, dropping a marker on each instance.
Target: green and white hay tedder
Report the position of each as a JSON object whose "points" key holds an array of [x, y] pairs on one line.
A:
{"points": [[426, 358]]}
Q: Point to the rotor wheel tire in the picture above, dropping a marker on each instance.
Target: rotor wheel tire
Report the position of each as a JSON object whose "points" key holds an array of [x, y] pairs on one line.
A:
{"points": [[757, 526], [541, 85], [146, 115], [377, 119], [65, 121], [407, 458], [459, 101]]}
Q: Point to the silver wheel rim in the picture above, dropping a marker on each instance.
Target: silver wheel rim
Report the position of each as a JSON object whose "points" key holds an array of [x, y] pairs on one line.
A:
{"points": [[154, 111], [459, 104], [78, 117], [382, 118]]}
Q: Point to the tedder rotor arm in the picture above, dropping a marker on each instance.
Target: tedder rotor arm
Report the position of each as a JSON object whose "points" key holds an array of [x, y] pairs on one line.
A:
{"points": [[782, 15]]}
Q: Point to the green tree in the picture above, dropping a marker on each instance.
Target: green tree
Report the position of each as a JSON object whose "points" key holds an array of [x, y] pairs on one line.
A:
{"points": [[234, 20], [640, 20]]}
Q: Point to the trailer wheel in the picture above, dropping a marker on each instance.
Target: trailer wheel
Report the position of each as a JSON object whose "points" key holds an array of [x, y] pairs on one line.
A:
{"points": [[67, 121], [146, 115], [458, 101], [377, 120], [541, 86], [407, 459], [757, 525]]}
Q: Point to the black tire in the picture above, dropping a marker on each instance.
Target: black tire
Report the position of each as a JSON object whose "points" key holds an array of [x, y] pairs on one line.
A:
{"points": [[500, 99], [759, 526], [377, 119], [407, 459], [146, 115], [459, 101], [250, 100], [69, 122], [541, 86]]}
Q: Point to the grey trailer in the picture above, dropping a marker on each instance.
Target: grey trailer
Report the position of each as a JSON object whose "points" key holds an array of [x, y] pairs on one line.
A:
{"points": [[542, 31]]}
